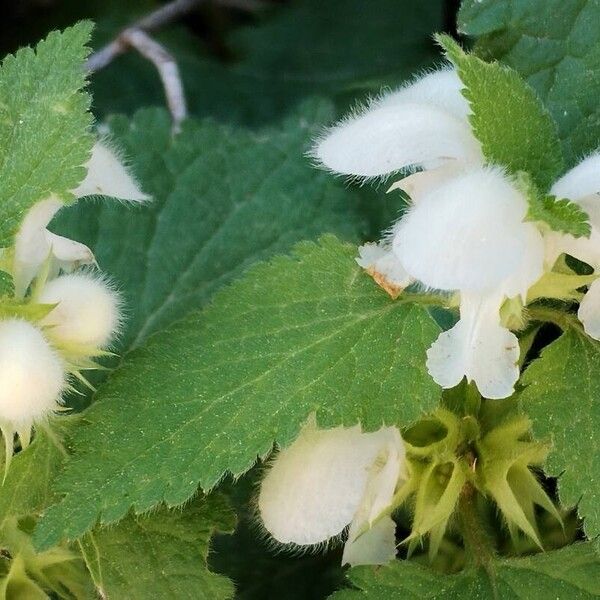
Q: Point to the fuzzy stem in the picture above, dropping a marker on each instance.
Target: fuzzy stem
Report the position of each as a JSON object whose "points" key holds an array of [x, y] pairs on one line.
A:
{"points": [[479, 548]]}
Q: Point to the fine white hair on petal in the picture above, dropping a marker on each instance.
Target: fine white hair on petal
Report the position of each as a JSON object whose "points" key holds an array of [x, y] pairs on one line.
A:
{"points": [[389, 138], [378, 258], [589, 311], [87, 311], [31, 373], [582, 180], [441, 88], [477, 347], [468, 234], [107, 176], [314, 487]]}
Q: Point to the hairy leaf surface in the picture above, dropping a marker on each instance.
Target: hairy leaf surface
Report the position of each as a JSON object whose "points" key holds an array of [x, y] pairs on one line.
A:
{"points": [[44, 124], [563, 399], [572, 573], [161, 555], [514, 128], [555, 45], [310, 332]]}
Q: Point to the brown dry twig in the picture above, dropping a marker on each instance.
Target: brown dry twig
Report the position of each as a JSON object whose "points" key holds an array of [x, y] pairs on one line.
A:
{"points": [[137, 37]]}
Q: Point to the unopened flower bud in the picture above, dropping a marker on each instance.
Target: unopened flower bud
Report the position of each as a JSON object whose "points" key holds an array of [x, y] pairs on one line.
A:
{"points": [[87, 309], [31, 374]]}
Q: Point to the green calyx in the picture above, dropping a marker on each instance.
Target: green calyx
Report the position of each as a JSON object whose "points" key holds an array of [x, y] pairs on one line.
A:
{"points": [[456, 462]]}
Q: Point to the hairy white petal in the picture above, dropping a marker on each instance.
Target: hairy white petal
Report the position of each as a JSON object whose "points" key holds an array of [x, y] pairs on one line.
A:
{"points": [[375, 547], [107, 176], [372, 541], [389, 138], [440, 88], [87, 310], [315, 486], [380, 259], [468, 234], [477, 347], [69, 251], [589, 310], [582, 180], [31, 374], [422, 183]]}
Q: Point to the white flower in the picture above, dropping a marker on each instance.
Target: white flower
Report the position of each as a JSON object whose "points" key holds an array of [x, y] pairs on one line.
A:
{"points": [[421, 125], [35, 244], [329, 479], [106, 176], [87, 310], [464, 230], [32, 377], [582, 185]]}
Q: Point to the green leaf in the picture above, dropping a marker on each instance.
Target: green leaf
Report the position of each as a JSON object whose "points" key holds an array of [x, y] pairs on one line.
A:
{"points": [[555, 45], [508, 118], [310, 332], [562, 398], [26, 489], [308, 47], [160, 556], [560, 215], [572, 573], [44, 124], [222, 200], [7, 286]]}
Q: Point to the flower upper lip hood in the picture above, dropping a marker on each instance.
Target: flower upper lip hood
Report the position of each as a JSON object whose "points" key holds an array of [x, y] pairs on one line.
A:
{"points": [[464, 230], [329, 479], [424, 124]]}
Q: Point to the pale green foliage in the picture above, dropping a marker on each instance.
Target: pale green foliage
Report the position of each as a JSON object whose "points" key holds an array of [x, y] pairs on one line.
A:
{"points": [[310, 332], [562, 398], [161, 555], [44, 122], [514, 128], [6, 283], [572, 573], [26, 489], [559, 214], [555, 45]]}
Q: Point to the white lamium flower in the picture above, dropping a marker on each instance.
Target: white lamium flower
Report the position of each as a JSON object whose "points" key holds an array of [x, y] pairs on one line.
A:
{"points": [[582, 185], [468, 235], [35, 244], [464, 231], [424, 124], [31, 379], [87, 311], [107, 176], [329, 479]]}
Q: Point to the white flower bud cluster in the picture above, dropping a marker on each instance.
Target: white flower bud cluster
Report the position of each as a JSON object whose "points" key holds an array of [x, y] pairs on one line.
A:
{"points": [[73, 315]]}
